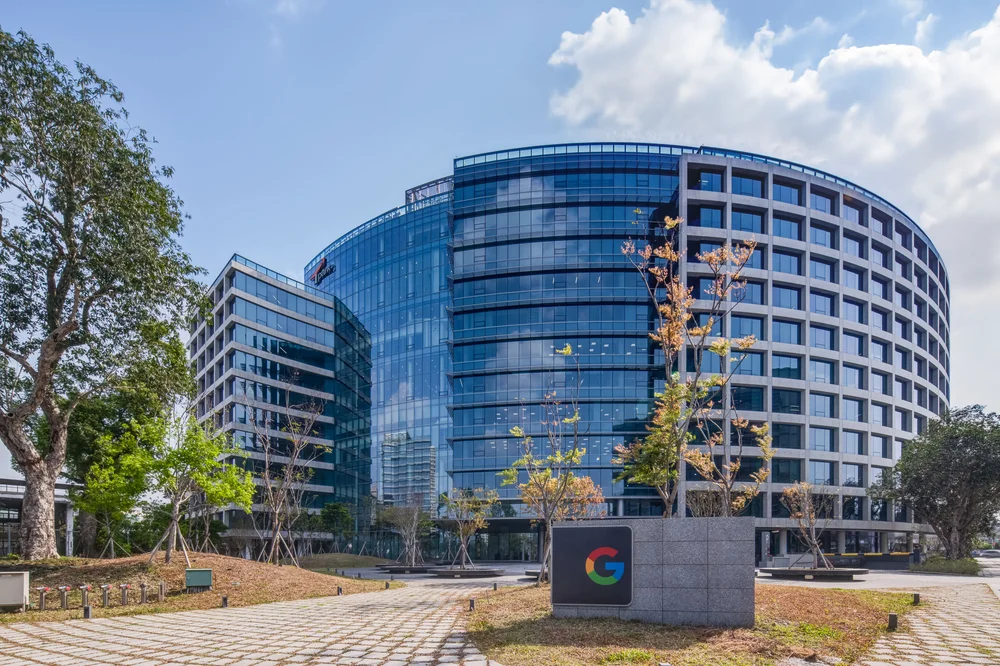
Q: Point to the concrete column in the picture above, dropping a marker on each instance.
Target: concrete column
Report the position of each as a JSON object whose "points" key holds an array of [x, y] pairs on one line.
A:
{"points": [[885, 538], [841, 541], [69, 529], [909, 541], [621, 507], [782, 542], [765, 546]]}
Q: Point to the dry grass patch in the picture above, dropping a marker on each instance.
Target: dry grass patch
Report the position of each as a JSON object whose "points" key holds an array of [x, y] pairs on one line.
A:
{"points": [[516, 628], [257, 584]]}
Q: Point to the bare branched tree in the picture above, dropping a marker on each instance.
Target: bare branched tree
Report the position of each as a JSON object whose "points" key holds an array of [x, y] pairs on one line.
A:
{"points": [[283, 449], [812, 513], [412, 523]]}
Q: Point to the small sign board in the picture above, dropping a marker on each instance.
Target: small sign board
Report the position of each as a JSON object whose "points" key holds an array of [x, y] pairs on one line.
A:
{"points": [[592, 565]]}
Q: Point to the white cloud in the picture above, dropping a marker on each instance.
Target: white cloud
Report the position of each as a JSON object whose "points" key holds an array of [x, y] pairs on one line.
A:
{"points": [[917, 127], [925, 27], [911, 8], [846, 41]]}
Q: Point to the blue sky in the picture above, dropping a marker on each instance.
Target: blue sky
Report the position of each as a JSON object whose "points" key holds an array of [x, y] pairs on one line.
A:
{"points": [[289, 122]]}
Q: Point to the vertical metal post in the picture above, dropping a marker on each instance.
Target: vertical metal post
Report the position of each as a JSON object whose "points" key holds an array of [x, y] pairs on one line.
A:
{"points": [[64, 596], [340, 591], [124, 587], [225, 602], [41, 597], [86, 613], [105, 590], [142, 593], [893, 622], [163, 591], [85, 594]]}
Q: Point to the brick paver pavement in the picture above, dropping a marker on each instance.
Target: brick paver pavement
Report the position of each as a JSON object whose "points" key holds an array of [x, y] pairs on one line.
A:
{"points": [[419, 624], [958, 626]]}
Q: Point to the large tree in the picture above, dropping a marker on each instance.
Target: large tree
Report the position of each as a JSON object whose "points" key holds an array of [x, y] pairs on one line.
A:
{"points": [[89, 259], [950, 477], [693, 408]]}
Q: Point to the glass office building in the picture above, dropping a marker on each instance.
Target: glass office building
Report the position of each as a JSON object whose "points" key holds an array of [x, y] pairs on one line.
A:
{"points": [[471, 285], [273, 350]]}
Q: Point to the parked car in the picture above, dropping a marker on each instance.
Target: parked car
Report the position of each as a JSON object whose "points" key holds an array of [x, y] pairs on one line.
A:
{"points": [[990, 553]]}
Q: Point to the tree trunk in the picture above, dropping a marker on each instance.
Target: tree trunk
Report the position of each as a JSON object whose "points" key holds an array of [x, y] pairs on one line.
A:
{"points": [[38, 512], [88, 534], [172, 533]]}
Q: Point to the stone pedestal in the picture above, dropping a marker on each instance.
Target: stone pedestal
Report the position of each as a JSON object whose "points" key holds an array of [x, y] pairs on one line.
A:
{"points": [[685, 571]]}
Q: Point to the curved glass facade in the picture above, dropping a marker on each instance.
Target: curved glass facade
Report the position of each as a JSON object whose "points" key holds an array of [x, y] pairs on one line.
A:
{"points": [[392, 273], [467, 293]]}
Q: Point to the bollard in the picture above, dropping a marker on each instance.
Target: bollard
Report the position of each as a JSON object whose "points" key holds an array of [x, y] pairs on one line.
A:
{"points": [[916, 598], [64, 596], [85, 594], [340, 591], [472, 604], [387, 585], [105, 589], [225, 602], [359, 576], [41, 597], [86, 613], [893, 622], [494, 587], [124, 587], [142, 593], [163, 592], [392, 578]]}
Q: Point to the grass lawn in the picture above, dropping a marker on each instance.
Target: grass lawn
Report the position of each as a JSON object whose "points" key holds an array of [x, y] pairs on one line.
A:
{"points": [[339, 561], [516, 628], [258, 584]]}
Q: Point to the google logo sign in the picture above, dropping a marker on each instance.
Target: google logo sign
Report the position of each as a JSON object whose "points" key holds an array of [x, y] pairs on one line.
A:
{"points": [[617, 569]]}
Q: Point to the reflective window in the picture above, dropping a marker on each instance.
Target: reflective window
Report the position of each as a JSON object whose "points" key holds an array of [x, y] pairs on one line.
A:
{"points": [[822, 270], [853, 376], [822, 371], [751, 292], [822, 303], [820, 235], [821, 404], [786, 228], [821, 473], [748, 186], [786, 367], [821, 439], [706, 216], [821, 337], [743, 325], [746, 221], [853, 409], [854, 344], [748, 398], [853, 310], [790, 194], [787, 297], [748, 363], [853, 278], [852, 442], [786, 262], [789, 332], [785, 401], [851, 476], [786, 436]]}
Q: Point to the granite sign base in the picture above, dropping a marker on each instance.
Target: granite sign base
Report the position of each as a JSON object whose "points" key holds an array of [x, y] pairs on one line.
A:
{"points": [[685, 571]]}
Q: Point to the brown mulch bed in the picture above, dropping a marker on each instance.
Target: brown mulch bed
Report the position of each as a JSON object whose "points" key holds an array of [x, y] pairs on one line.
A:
{"points": [[516, 628], [244, 582]]}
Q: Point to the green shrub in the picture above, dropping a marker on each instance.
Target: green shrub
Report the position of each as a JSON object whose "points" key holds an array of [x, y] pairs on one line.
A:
{"points": [[938, 564]]}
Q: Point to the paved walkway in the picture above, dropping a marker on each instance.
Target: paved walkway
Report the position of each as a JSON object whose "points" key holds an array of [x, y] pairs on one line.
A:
{"points": [[423, 623], [960, 625]]}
